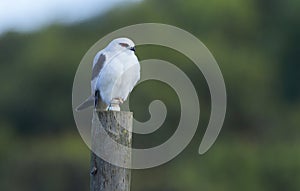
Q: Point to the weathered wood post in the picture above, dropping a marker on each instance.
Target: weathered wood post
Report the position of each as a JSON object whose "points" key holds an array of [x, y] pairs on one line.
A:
{"points": [[103, 175]]}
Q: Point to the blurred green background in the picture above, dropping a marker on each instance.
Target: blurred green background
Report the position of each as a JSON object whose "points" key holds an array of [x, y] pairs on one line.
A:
{"points": [[256, 44]]}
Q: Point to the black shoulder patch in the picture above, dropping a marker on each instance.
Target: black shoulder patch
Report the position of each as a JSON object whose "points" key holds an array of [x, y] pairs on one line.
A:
{"points": [[98, 66]]}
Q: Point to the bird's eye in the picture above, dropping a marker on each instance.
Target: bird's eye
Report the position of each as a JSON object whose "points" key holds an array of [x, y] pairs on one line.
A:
{"points": [[124, 45]]}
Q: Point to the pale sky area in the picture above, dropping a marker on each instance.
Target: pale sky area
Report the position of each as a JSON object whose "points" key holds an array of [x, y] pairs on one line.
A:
{"points": [[29, 15]]}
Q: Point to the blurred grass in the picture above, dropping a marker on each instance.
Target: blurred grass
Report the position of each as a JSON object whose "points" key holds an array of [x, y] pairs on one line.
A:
{"points": [[43, 162]]}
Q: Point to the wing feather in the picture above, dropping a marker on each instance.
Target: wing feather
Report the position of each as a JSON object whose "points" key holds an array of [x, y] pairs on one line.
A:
{"points": [[98, 66]]}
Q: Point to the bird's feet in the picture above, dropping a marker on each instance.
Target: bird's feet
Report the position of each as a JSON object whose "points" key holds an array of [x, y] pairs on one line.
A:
{"points": [[115, 104]]}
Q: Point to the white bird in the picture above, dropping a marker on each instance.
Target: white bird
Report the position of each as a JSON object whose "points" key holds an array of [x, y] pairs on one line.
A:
{"points": [[116, 70]]}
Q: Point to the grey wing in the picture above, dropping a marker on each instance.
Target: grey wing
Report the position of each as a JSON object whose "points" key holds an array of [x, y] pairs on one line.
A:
{"points": [[97, 66]]}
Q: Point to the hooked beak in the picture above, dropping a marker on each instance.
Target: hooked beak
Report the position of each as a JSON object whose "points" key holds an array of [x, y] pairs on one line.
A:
{"points": [[132, 49]]}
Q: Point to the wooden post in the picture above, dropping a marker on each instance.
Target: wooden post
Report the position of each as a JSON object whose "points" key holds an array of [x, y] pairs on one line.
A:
{"points": [[103, 175]]}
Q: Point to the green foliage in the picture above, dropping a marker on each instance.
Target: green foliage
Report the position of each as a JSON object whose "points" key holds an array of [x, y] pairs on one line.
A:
{"points": [[256, 44]]}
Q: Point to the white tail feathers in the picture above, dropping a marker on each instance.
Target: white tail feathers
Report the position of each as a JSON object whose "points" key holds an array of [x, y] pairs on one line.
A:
{"points": [[89, 102]]}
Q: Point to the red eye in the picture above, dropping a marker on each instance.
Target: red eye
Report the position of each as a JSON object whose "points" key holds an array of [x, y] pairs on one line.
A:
{"points": [[124, 45]]}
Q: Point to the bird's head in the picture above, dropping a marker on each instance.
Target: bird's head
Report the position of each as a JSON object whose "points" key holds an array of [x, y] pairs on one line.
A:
{"points": [[121, 44]]}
